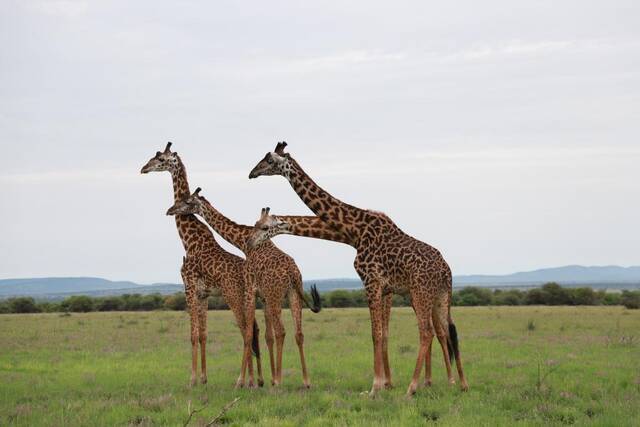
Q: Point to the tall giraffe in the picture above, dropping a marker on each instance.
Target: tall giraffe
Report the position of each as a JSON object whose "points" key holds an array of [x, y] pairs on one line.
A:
{"points": [[269, 226], [388, 261], [268, 271], [206, 266]]}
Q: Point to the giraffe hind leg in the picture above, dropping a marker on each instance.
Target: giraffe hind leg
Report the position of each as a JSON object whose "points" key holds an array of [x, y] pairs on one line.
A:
{"points": [[296, 313], [422, 306]]}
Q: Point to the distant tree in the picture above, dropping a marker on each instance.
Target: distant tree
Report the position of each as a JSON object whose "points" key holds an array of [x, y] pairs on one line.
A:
{"points": [[216, 302], [151, 302], [535, 297], [471, 296], [611, 298], [108, 304], [176, 301], [131, 302], [4, 307], [509, 297], [22, 305], [340, 298], [48, 307], [583, 296], [630, 299], [554, 294], [77, 304]]}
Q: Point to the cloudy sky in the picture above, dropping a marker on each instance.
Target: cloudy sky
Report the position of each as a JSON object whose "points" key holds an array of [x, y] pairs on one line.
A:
{"points": [[509, 138]]}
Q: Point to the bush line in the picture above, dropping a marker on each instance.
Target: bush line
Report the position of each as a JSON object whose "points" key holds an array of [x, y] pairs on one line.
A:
{"points": [[549, 294]]}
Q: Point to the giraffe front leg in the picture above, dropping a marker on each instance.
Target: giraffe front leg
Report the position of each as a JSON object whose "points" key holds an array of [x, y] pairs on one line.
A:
{"points": [[386, 316], [190, 283], [375, 311], [202, 326]]}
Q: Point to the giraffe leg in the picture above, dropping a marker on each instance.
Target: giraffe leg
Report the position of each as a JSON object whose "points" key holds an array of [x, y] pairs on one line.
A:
{"points": [[427, 365], [202, 323], [280, 334], [268, 335], [441, 325], [374, 295], [190, 283], [296, 313], [386, 315], [249, 316], [422, 307]]}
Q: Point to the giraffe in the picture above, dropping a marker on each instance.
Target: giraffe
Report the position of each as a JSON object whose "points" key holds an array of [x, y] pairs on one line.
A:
{"points": [[387, 261], [206, 266], [268, 271]]}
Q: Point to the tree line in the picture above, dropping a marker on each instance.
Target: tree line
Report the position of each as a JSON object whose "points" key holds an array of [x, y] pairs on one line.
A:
{"points": [[549, 294]]}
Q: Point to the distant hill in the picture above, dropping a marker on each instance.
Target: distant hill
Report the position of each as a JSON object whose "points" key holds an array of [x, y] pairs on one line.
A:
{"points": [[573, 275], [567, 275], [61, 287]]}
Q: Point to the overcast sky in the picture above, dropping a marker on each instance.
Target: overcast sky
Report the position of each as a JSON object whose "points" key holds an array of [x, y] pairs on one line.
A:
{"points": [[509, 138]]}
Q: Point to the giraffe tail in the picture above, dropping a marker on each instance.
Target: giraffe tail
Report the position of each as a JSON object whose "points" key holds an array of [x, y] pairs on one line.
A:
{"points": [[316, 304], [255, 341], [452, 342]]}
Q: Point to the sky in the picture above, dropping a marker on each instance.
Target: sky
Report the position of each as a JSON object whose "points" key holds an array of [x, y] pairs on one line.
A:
{"points": [[507, 137]]}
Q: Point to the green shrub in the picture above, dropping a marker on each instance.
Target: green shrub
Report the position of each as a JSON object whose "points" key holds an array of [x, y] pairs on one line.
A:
{"points": [[509, 297], [22, 305], [109, 304], [77, 304], [630, 299], [177, 301], [340, 298]]}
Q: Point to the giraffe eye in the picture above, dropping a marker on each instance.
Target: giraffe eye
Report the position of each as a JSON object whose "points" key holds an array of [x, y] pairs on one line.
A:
{"points": [[264, 228], [269, 160]]}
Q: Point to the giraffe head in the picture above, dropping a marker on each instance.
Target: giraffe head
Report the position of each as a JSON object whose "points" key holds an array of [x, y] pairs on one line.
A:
{"points": [[163, 161], [267, 227], [275, 163], [189, 205]]}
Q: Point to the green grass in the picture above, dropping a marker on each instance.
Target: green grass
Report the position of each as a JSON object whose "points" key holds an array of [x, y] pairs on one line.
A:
{"points": [[525, 366]]}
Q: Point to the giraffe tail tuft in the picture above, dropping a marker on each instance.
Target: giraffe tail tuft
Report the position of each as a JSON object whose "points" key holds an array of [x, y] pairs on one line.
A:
{"points": [[452, 342], [317, 302], [255, 342]]}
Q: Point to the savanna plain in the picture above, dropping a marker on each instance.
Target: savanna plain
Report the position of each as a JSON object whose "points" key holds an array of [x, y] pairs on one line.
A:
{"points": [[525, 366]]}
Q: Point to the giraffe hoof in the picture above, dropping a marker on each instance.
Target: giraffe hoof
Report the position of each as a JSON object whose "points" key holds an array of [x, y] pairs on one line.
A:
{"points": [[427, 383], [239, 385], [464, 387], [260, 382], [193, 382], [388, 386], [412, 389]]}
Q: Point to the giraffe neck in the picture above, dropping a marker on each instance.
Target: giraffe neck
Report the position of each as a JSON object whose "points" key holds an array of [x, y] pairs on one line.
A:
{"points": [[341, 216], [188, 225], [230, 231], [312, 226], [180, 182]]}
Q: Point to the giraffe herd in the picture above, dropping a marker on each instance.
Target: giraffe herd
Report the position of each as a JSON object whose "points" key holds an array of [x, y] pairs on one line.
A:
{"points": [[388, 261]]}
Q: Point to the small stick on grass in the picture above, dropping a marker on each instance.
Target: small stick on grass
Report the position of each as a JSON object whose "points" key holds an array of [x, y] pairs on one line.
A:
{"points": [[191, 413], [224, 410]]}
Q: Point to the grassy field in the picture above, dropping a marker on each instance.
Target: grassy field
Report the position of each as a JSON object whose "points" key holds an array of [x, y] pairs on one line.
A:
{"points": [[525, 366]]}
